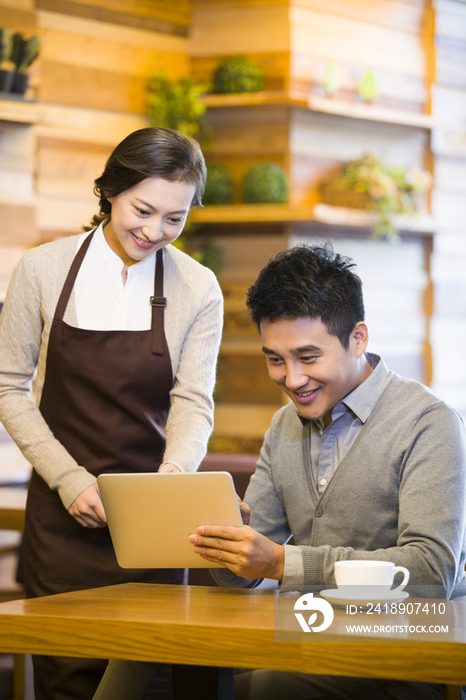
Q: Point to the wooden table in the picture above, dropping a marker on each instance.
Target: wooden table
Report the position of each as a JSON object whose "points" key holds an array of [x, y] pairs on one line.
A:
{"points": [[222, 628], [12, 508]]}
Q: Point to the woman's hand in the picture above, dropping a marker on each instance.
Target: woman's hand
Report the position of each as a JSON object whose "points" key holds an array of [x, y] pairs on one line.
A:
{"points": [[87, 509], [169, 469]]}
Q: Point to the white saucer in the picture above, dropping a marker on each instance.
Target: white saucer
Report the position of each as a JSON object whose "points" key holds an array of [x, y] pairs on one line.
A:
{"points": [[341, 597]]}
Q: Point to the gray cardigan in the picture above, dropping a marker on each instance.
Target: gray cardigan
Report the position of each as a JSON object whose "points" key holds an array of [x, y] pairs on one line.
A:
{"points": [[398, 495], [193, 328]]}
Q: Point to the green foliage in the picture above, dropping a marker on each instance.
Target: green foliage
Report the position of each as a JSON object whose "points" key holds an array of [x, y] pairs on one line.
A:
{"points": [[219, 186], [391, 191], [200, 248], [368, 87], [265, 183], [177, 105], [6, 45], [237, 74], [24, 51]]}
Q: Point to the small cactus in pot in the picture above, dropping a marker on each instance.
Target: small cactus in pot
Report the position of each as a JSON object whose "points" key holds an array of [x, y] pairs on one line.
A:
{"points": [[6, 44], [23, 54]]}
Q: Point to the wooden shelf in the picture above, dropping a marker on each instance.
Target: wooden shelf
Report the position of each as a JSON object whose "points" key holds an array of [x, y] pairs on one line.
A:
{"points": [[251, 213], [316, 214], [359, 218], [324, 105], [15, 109]]}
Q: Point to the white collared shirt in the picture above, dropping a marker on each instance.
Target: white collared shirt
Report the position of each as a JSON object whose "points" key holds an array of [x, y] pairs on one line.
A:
{"points": [[103, 302]]}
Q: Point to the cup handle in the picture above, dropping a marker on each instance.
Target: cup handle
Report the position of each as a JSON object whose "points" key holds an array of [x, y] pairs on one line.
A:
{"points": [[405, 580]]}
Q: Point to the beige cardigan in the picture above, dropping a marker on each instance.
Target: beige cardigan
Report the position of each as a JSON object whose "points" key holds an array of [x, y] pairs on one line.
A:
{"points": [[193, 326]]}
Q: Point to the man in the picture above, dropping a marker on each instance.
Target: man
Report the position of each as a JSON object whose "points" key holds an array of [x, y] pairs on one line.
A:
{"points": [[361, 464]]}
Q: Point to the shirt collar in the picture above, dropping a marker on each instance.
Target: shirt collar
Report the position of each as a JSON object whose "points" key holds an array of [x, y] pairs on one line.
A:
{"points": [[362, 400], [111, 258]]}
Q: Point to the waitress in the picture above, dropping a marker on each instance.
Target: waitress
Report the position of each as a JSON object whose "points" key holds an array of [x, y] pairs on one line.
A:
{"points": [[123, 330]]}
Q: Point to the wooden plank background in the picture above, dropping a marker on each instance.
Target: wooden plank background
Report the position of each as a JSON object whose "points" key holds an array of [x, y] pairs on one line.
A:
{"points": [[448, 328], [96, 58], [154, 15]]}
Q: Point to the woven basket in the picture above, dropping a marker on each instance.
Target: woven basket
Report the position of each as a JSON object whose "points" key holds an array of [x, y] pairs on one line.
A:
{"points": [[339, 197]]}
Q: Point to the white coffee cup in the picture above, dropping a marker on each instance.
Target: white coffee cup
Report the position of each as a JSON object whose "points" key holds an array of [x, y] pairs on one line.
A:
{"points": [[354, 576]]}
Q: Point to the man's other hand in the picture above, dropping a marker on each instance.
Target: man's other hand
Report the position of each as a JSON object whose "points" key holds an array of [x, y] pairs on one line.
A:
{"points": [[241, 549]]}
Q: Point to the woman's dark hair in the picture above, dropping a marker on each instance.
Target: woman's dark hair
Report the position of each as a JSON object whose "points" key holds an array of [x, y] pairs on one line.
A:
{"points": [[150, 152], [309, 281]]}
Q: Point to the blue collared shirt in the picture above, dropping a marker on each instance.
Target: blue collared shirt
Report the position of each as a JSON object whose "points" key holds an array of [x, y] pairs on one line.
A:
{"points": [[329, 446]]}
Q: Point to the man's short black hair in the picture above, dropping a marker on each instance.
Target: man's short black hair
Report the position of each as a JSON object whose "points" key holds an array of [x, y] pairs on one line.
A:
{"points": [[309, 281]]}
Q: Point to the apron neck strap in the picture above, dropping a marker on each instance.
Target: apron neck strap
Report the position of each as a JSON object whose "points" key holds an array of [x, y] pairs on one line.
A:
{"points": [[70, 280], [158, 303]]}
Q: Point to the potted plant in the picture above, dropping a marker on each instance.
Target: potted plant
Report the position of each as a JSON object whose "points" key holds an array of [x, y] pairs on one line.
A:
{"points": [[199, 247], [237, 74], [265, 183], [219, 186], [177, 105], [24, 52], [366, 183], [6, 76]]}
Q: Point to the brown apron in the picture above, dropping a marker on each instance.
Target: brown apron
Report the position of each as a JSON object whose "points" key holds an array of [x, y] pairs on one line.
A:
{"points": [[106, 399]]}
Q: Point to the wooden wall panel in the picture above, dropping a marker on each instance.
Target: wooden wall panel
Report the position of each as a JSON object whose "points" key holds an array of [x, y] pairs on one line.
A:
{"points": [[18, 17], [448, 201], [58, 215], [247, 29], [250, 130], [450, 174], [178, 13], [325, 136], [69, 168], [449, 106], [449, 207], [150, 14], [450, 19], [451, 62], [358, 36], [17, 196], [85, 66], [243, 136], [240, 428], [94, 76], [101, 127], [404, 16], [247, 399], [244, 379], [396, 90], [235, 4], [350, 40], [18, 225], [25, 5], [94, 88], [78, 41]]}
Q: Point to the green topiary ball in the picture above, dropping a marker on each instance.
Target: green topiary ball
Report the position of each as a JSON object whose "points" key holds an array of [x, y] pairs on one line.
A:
{"points": [[265, 183], [219, 186], [238, 74]]}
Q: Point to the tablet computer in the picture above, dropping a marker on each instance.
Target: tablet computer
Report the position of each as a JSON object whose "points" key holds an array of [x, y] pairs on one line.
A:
{"points": [[150, 516]]}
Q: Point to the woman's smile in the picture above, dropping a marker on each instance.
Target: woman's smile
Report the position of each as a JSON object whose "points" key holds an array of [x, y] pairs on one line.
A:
{"points": [[147, 217]]}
